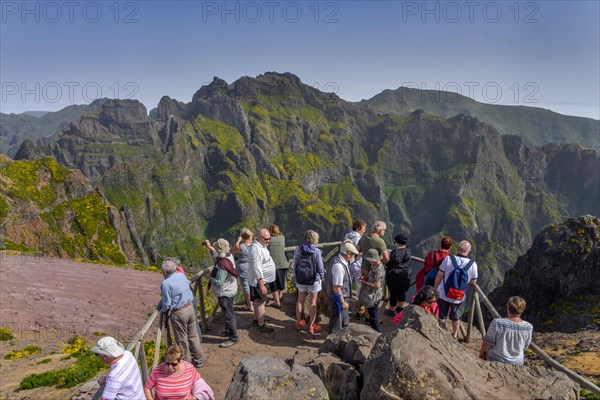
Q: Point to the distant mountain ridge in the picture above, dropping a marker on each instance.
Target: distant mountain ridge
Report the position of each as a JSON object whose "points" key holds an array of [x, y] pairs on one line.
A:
{"points": [[272, 149], [35, 125], [537, 126]]}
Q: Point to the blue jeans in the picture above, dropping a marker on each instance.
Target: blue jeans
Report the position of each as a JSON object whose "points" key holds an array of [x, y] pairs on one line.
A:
{"points": [[374, 313]]}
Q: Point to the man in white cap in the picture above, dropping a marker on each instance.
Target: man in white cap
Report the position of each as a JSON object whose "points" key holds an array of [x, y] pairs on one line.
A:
{"points": [[338, 283], [123, 380]]}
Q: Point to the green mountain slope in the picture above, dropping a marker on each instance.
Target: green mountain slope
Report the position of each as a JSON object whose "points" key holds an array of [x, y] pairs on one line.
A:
{"points": [[537, 126], [271, 149]]}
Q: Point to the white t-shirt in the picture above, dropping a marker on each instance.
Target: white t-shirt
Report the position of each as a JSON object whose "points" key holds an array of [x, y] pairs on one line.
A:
{"points": [[260, 264], [124, 381], [338, 269], [447, 267]]}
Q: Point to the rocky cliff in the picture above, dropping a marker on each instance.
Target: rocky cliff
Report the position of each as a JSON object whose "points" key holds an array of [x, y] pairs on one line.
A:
{"points": [[48, 208], [558, 277], [273, 149]]}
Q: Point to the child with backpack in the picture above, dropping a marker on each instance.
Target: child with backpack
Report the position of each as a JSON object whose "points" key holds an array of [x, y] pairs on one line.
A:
{"points": [[426, 276], [308, 272], [455, 273]]}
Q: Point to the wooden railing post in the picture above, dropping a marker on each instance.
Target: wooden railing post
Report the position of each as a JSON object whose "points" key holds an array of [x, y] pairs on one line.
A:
{"points": [[143, 363], [479, 314], [471, 315], [158, 340]]}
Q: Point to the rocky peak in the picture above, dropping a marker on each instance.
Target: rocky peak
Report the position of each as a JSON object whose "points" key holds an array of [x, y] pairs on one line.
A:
{"points": [[558, 276], [123, 112]]}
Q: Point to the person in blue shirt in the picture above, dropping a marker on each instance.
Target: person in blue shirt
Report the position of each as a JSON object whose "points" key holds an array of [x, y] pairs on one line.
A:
{"points": [[177, 303]]}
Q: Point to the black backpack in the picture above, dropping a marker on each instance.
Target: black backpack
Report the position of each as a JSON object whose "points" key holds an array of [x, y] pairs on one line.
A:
{"points": [[305, 269]]}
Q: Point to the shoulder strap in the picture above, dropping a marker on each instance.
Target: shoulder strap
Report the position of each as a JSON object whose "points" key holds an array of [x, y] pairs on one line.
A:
{"points": [[435, 259], [468, 265], [453, 259]]}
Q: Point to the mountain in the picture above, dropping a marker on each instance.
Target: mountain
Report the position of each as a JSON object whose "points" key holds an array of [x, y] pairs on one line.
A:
{"points": [[558, 276], [537, 126], [36, 114], [49, 208], [34, 125], [272, 149]]}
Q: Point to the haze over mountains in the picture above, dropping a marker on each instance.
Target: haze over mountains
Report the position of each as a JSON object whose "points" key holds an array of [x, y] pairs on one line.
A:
{"points": [[272, 149]]}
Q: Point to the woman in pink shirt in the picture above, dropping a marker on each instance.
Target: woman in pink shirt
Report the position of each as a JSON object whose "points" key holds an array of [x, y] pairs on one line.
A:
{"points": [[176, 379]]}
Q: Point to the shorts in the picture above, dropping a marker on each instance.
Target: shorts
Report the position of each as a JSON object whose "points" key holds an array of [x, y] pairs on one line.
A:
{"points": [[256, 295], [450, 308], [314, 288], [280, 275]]}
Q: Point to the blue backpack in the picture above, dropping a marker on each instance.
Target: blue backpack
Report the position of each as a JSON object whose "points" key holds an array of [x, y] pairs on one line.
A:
{"points": [[305, 269], [457, 281]]}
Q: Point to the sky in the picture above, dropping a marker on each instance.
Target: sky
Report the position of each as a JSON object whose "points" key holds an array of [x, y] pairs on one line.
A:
{"points": [[532, 53]]}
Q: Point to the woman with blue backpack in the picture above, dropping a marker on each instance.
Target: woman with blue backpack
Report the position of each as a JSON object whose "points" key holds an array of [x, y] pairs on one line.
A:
{"points": [[309, 272]]}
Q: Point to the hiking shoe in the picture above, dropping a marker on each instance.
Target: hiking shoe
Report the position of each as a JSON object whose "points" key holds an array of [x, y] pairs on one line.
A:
{"points": [[255, 321], [227, 343], [299, 325], [389, 312], [314, 329], [265, 329]]}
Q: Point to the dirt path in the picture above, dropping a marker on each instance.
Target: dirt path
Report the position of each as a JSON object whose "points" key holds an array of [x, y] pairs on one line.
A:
{"points": [[46, 301]]}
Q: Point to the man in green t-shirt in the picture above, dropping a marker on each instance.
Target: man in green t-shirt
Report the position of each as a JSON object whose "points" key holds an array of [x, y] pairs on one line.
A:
{"points": [[372, 241]]}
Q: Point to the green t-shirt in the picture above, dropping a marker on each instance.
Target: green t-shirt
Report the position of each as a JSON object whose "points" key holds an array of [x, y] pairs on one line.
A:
{"points": [[276, 248], [367, 242]]}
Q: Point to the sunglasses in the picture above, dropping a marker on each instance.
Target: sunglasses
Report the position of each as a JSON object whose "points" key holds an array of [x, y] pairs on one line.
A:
{"points": [[172, 364], [265, 238]]}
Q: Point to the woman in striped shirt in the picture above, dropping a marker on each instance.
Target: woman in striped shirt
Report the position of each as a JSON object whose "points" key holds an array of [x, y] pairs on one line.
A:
{"points": [[173, 379]]}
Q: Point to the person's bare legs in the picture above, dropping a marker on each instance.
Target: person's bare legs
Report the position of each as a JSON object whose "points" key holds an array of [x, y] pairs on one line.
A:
{"points": [[249, 304], [312, 310], [259, 312], [299, 306], [455, 328], [277, 298]]}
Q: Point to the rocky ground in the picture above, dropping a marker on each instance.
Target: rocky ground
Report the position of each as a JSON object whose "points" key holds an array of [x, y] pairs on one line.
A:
{"points": [[46, 301]]}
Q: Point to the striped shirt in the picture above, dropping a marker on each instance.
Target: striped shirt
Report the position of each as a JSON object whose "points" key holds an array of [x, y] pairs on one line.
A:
{"points": [[508, 340], [124, 381], [169, 387]]}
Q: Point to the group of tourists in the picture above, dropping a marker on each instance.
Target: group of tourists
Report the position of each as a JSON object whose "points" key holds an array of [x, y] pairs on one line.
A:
{"points": [[258, 263]]}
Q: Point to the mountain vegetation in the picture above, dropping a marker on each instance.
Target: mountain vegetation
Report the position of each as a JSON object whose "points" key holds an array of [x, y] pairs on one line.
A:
{"points": [[272, 149]]}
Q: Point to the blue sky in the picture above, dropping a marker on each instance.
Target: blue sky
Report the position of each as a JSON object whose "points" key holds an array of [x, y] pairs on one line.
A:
{"points": [[534, 53]]}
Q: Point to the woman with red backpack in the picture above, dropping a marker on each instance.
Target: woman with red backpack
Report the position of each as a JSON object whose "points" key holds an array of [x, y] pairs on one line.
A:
{"points": [[434, 258]]}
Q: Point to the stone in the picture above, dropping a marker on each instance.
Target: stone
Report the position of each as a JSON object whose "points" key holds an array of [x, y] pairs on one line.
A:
{"points": [[272, 378], [421, 360], [352, 344], [341, 379]]}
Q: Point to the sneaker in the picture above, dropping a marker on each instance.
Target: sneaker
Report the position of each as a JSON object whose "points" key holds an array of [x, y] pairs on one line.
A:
{"points": [[227, 343], [265, 329], [314, 329], [196, 363], [300, 324], [389, 312], [255, 321]]}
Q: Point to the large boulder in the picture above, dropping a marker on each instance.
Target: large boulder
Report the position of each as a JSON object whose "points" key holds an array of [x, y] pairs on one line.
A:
{"points": [[421, 360], [558, 277], [341, 379], [352, 344], [271, 378]]}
